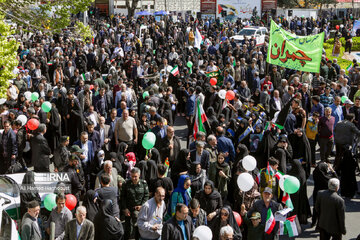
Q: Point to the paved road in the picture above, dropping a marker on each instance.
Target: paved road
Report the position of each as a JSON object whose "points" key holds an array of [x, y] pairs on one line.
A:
{"points": [[352, 217]]}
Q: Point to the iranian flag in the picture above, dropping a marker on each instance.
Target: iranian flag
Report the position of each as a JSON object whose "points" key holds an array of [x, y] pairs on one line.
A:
{"points": [[278, 175], [291, 226], [349, 67], [270, 222], [175, 71], [287, 200], [200, 119], [83, 77], [198, 39]]}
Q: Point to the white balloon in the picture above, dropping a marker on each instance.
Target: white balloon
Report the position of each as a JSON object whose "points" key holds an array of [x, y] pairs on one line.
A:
{"points": [[27, 95], [222, 93], [249, 163], [245, 181], [23, 119], [2, 100], [203, 233], [282, 180]]}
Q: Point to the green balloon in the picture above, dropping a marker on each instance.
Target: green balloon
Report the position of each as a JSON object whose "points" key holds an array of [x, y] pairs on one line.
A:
{"points": [[34, 96], [50, 201], [291, 185], [344, 98], [145, 94], [46, 106], [189, 64], [149, 140]]}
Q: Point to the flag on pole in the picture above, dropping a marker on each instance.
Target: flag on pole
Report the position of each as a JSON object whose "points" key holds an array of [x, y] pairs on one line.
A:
{"points": [[278, 175], [270, 222], [287, 200], [349, 67], [200, 118], [291, 226], [198, 39], [282, 228], [175, 71]]}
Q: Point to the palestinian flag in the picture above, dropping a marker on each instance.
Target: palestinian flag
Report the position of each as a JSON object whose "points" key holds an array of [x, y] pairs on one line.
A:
{"points": [[291, 226], [287, 200], [200, 119], [220, 8], [270, 222], [175, 71]]}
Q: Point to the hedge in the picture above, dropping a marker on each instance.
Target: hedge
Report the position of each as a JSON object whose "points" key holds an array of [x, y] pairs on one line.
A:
{"points": [[355, 45], [328, 46]]}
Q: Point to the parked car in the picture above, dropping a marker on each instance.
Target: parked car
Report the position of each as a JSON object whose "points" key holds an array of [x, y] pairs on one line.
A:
{"points": [[258, 32], [8, 229]]}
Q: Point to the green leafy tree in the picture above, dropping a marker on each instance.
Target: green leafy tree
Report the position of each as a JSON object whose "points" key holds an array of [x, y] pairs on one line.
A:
{"points": [[50, 16], [83, 31], [8, 60]]}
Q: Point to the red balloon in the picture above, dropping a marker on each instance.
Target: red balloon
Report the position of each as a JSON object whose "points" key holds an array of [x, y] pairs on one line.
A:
{"points": [[213, 81], [237, 218], [33, 124], [337, 27], [70, 201], [230, 95]]}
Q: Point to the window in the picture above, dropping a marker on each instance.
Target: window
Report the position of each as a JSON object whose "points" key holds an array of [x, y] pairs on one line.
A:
{"points": [[9, 187], [6, 224]]}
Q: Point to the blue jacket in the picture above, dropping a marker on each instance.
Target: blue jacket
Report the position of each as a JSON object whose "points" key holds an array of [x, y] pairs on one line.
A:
{"points": [[190, 105], [337, 113], [91, 152], [225, 145]]}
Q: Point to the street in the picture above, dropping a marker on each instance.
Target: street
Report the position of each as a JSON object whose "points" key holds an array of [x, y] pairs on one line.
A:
{"points": [[352, 215]]}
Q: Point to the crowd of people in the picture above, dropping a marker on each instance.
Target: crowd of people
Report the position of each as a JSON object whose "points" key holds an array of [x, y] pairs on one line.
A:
{"points": [[106, 93]]}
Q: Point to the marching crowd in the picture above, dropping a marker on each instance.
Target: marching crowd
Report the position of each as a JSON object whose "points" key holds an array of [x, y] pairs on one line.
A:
{"points": [[108, 92]]}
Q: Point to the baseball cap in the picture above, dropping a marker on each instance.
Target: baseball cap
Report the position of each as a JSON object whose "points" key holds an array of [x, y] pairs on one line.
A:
{"points": [[348, 101], [255, 215], [64, 139], [76, 148], [268, 190]]}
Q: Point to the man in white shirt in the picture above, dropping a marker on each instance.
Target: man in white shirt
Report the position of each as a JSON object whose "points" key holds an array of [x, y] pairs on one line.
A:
{"points": [[150, 218]]}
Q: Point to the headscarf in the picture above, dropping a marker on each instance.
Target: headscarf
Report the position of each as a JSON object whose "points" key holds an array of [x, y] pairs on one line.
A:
{"points": [[216, 224], [214, 194], [91, 208], [180, 189], [116, 162], [181, 164], [106, 225], [121, 151], [155, 155]]}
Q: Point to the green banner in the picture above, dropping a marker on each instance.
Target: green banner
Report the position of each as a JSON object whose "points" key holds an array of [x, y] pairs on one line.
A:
{"points": [[295, 52]]}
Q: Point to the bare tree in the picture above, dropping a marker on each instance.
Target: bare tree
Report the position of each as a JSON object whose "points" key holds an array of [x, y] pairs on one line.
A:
{"points": [[131, 9]]}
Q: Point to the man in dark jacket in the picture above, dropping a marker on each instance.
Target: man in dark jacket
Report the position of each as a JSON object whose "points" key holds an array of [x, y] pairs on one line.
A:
{"points": [[40, 150], [200, 155], [179, 225], [331, 209], [30, 228], [170, 146], [8, 148]]}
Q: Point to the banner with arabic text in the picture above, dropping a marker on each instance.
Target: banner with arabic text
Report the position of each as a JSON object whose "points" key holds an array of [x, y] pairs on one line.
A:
{"points": [[295, 52]]}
